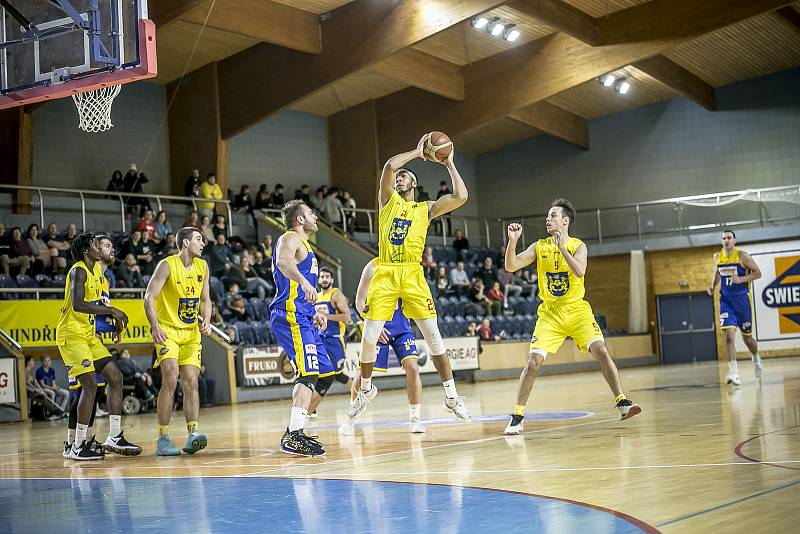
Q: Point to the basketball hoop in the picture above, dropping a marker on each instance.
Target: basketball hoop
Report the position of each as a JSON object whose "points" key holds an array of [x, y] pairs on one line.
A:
{"points": [[94, 108]]}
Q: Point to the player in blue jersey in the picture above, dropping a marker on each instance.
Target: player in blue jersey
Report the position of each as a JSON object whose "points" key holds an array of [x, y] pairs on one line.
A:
{"points": [[398, 335], [734, 270], [297, 324], [333, 304]]}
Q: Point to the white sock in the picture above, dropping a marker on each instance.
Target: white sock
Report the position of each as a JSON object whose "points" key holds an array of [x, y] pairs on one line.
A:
{"points": [[756, 358], [70, 436], [298, 418], [450, 389], [414, 411], [89, 433], [80, 434], [366, 384], [114, 425], [733, 368]]}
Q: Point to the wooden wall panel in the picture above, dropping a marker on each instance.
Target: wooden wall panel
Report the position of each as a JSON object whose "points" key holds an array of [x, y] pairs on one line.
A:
{"points": [[353, 152], [608, 288]]}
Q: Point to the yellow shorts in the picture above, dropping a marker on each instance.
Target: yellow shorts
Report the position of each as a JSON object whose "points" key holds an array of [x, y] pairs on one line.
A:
{"points": [[80, 353], [182, 344], [405, 281], [557, 322]]}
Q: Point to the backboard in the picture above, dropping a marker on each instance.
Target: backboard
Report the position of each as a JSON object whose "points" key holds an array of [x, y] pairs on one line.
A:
{"points": [[56, 48]]}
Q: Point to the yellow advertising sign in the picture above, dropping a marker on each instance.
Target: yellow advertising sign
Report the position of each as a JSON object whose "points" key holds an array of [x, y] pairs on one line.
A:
{"points": [[32, 323]]}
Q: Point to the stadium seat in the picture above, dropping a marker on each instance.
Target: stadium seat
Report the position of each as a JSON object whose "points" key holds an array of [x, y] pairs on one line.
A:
{"points": [[6, 282], [43, 280], [260, 332], [25, 281], [260, 308], [217, 290], [246, 333]]}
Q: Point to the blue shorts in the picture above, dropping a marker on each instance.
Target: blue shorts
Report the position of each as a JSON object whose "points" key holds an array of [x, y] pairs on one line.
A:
{"points": [[735, 312], [404, 346], [301, 340], [334, 346]]}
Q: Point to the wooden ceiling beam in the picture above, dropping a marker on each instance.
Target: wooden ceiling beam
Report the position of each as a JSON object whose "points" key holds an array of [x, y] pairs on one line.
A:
{"points": [[265, 78], [266, 21], [162, 12], [535, 71], [791, 15], [679, 80], [555, 121], [561, 16], [425, 71]]}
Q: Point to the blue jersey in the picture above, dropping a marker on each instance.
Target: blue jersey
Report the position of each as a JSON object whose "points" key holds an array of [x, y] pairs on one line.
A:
{"points": [[727, 266], [324, 302], [289, 297], [103, 323]]}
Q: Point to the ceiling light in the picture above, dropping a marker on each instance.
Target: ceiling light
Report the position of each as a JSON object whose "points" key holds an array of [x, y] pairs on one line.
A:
{"points": [[608, 80], [495, 26], [497, 29], [479, 22], [511, 33], [622, 86]]}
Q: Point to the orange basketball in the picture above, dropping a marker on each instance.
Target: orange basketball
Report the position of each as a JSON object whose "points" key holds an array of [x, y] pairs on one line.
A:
{"points": [[438, 147]]}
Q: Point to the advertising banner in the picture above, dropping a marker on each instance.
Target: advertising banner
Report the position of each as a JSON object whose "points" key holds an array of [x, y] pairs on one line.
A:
{"points": [[8, 382]]}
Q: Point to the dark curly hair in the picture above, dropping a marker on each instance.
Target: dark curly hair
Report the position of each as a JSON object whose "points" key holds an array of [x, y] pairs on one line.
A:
{"points": [[80, 245]]}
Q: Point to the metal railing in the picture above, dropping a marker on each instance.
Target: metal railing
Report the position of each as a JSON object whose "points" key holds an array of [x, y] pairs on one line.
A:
{"points": [[123, 198], [669, 216], [37, 291]]}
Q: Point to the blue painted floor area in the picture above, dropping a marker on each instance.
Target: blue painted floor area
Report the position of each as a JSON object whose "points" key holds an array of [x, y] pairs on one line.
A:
{"points": [[227, 504], [503, 417]]}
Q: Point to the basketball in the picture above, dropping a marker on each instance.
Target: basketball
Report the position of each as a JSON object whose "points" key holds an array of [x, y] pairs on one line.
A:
{"points": [[438, 147]]}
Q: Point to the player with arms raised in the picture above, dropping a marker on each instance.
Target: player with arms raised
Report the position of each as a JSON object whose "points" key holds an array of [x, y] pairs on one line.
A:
{"points": [[561, 266], [402, 228]]}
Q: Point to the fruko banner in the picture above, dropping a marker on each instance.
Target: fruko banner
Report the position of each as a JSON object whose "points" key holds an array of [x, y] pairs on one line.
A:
{"points": [[463, 353], [32, 323], [776, 295], [263, 365]]}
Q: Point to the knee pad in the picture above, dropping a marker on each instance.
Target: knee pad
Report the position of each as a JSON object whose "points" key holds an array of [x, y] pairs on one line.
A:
{"points": [[309, 381], [342, 378], [324, 384], [430, 331]]}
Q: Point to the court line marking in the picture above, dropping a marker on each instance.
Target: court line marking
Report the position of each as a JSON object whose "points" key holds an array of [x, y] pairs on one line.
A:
{"points": [[727, 504], [431, 447], [740, 446]]}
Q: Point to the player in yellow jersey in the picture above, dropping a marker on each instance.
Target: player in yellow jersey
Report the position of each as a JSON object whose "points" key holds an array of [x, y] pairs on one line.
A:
{"points": [[178, 308], [561, 266], [402, 228], [734, 269], [82, 352]]}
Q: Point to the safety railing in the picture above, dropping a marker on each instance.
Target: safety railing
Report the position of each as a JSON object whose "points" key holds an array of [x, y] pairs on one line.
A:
{"points": [[38, 291], [655, 218], [123, 197]]}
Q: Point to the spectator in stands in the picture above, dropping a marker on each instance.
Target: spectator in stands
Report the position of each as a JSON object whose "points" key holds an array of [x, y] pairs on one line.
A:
{"points": [[253, 282], [193, 221], [20, 248], [461, 245], [207, 229], [142, 249], [444, 189], [443, 288], [349, 204], [243, 203], [37, 393], [332, 207], [39, 250], [485, 332], [116, 184], [132, 183], [262, 198], [263, 268], [497, 298], [219, 226], [304, 194], [56, 242], [231, 290], [459, 280], [131, 371], [166, 248], [487, 272], [216, 320], [472, 330], [162, 226], [428, 263], [422, 195], [209, 189], [318, 198], [191, 188], [8, 257], [512, 284], [46, 378], [266, 247], [477, 295], [205, 388], [130, 273], [238, 309], [276, 200], [220, 256], [147, 225]]}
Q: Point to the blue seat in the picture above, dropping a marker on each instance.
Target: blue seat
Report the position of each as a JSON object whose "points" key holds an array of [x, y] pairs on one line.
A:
{"points": [[260, 309], [246, 333], [217, 289], [260, 332], [6, 282]]}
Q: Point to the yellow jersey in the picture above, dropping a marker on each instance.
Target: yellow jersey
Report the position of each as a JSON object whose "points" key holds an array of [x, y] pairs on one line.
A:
{"points": [[402, 227], [178, 304], [76, 324], [557, 283]]}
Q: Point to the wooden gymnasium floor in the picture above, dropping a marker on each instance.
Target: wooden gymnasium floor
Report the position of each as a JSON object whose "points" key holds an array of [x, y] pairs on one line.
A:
{"points": [[701, 456]]}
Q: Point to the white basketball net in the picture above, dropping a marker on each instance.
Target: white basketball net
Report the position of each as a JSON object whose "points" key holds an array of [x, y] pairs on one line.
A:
{"points": [[94, 108]]}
